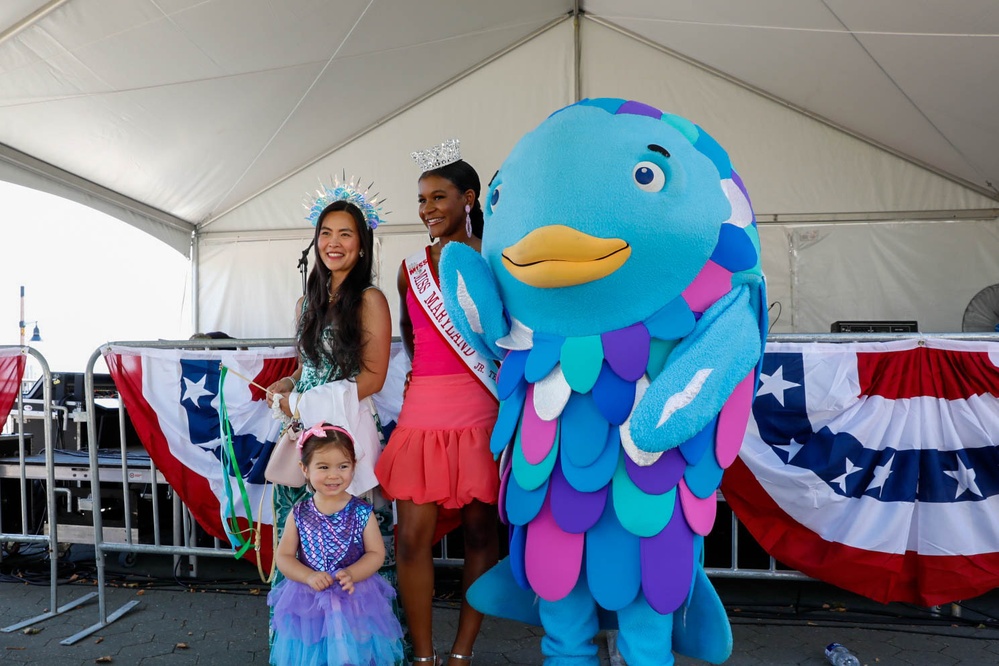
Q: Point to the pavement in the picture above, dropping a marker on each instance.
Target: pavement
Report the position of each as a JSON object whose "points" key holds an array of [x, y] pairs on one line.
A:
{"points": [[221, 618]]}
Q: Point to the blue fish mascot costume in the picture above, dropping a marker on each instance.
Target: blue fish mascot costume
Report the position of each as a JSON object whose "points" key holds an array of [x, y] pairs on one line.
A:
{"points": [[620, 284]]}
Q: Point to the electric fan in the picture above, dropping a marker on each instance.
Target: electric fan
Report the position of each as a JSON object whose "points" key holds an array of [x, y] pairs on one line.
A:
{"points": [[982, 313]]}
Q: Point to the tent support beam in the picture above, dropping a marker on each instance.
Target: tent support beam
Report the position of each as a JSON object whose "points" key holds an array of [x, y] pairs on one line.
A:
{"points": [[895, 216], [577, 54], [984, 191], [46, 177], [31, 19], [384, 119]]}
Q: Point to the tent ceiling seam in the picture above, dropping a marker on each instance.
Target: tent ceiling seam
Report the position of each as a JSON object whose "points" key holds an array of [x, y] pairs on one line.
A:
{"points": [[384, 119], [968, 162], [975, 187], [294, 108], [169, 18]]}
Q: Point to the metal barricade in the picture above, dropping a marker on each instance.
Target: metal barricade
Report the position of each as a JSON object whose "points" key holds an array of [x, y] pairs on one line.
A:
{"points": [[51, 540], [182, 528]]}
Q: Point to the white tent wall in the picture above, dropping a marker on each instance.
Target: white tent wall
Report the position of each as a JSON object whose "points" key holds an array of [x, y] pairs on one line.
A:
{"points": [[907, 270], [489, 110], [775, 247]]}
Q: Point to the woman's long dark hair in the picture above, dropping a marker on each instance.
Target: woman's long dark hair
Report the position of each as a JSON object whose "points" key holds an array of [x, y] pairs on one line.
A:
{"points": [[346, 343], [463, 176]]}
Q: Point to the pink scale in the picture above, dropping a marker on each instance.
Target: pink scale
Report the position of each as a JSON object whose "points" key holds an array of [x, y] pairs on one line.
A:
{"points": [[536, 435]]}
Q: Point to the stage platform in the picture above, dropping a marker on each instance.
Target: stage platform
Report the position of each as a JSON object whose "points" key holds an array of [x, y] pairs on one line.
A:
{"points": [[778, 623]]}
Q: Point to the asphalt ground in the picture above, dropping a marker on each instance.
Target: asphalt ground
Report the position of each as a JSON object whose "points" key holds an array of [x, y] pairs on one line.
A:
{"points": [[221, 618]]}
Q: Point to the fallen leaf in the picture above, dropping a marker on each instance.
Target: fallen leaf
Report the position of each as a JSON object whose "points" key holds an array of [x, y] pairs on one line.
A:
{"points": [[255, 592], [99, 639], [182, 646], [140, 593], [32, 630], [103, 660], [16, 648]]}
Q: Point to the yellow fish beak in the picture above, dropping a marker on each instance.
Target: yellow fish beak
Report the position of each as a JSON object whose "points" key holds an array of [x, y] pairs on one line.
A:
{"points": [[559, 256]]}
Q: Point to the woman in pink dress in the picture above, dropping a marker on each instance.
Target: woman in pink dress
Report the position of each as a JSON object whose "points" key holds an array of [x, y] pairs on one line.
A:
{"points": [[438, 455]]}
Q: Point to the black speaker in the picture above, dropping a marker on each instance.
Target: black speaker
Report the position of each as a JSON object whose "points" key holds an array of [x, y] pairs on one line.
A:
{"points": [[874, 327], [68, 390]]}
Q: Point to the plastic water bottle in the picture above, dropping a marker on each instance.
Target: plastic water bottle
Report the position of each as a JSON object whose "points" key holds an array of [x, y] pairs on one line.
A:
{"points": [[838, 655]]}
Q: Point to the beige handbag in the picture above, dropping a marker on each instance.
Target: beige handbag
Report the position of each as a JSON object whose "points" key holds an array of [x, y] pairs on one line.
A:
{"points": [[283, 466]]}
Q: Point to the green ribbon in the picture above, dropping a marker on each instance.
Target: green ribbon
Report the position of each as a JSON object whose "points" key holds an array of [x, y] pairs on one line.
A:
{"points": [[229, 462]]}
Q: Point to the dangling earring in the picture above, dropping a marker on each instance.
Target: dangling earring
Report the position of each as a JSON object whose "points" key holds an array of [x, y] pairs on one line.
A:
{"points": [[361, 253], [468, 220]]}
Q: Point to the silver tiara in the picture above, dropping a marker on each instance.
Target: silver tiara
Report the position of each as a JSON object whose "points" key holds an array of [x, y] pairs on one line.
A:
{"points": [[435, 157]]}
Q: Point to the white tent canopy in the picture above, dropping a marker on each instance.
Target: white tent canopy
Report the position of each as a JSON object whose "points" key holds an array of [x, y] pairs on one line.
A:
{"points": [[866, 133]]}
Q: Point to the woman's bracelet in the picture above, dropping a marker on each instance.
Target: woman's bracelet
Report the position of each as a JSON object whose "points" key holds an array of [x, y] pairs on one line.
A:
{"points": [[293, 382]]}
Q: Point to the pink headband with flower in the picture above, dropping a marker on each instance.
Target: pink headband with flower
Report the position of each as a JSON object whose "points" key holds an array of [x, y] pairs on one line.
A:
{"points": [[320, 430]]}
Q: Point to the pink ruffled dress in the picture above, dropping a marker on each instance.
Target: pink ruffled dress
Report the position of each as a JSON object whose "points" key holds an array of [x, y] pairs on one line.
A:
{"points": [[439, 450]]}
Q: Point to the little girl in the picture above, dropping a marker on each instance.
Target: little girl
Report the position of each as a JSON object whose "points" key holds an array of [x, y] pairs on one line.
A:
{"points": [[331, 609]]}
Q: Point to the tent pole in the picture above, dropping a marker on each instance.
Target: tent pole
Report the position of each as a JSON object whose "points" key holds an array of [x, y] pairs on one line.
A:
{"points": [[195, 279], [577, 47], [31, 19]]}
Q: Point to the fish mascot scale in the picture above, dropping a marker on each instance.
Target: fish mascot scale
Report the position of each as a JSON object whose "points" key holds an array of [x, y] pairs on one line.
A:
{"points": [[620, 285]]}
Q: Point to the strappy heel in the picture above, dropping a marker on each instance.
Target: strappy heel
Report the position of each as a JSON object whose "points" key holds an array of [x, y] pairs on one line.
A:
{"points": [[463, 657], [435, 660]]}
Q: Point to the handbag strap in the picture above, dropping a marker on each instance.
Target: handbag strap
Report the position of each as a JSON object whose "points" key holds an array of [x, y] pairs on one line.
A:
{"points": [[257, 531]]}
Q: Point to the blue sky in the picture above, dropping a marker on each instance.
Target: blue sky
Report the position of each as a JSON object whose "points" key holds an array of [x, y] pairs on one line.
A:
{"points": [[88, 278]]}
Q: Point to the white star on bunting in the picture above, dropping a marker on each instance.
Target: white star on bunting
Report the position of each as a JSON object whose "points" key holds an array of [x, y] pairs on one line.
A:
{"points": [[791, 449], [841, 479], [881, 474], [775, 385], [965, 477], [194, 390]]}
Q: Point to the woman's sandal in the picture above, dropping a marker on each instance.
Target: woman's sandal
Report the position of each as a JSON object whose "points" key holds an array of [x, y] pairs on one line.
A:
{"points": [[464, 657], [435, 660]]}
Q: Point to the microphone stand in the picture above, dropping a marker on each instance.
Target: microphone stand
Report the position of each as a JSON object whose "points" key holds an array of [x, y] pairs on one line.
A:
{"points": [[303, 264]]}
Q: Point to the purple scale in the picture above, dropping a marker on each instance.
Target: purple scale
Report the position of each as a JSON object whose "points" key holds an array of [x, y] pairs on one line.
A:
{"points": [[575, 511], [626, 351], [659, 477], [638, 109], [668, 565]]}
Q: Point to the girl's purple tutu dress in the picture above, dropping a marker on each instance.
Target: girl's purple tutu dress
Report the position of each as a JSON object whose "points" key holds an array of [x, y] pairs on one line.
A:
{"points": [[333, 628]]}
